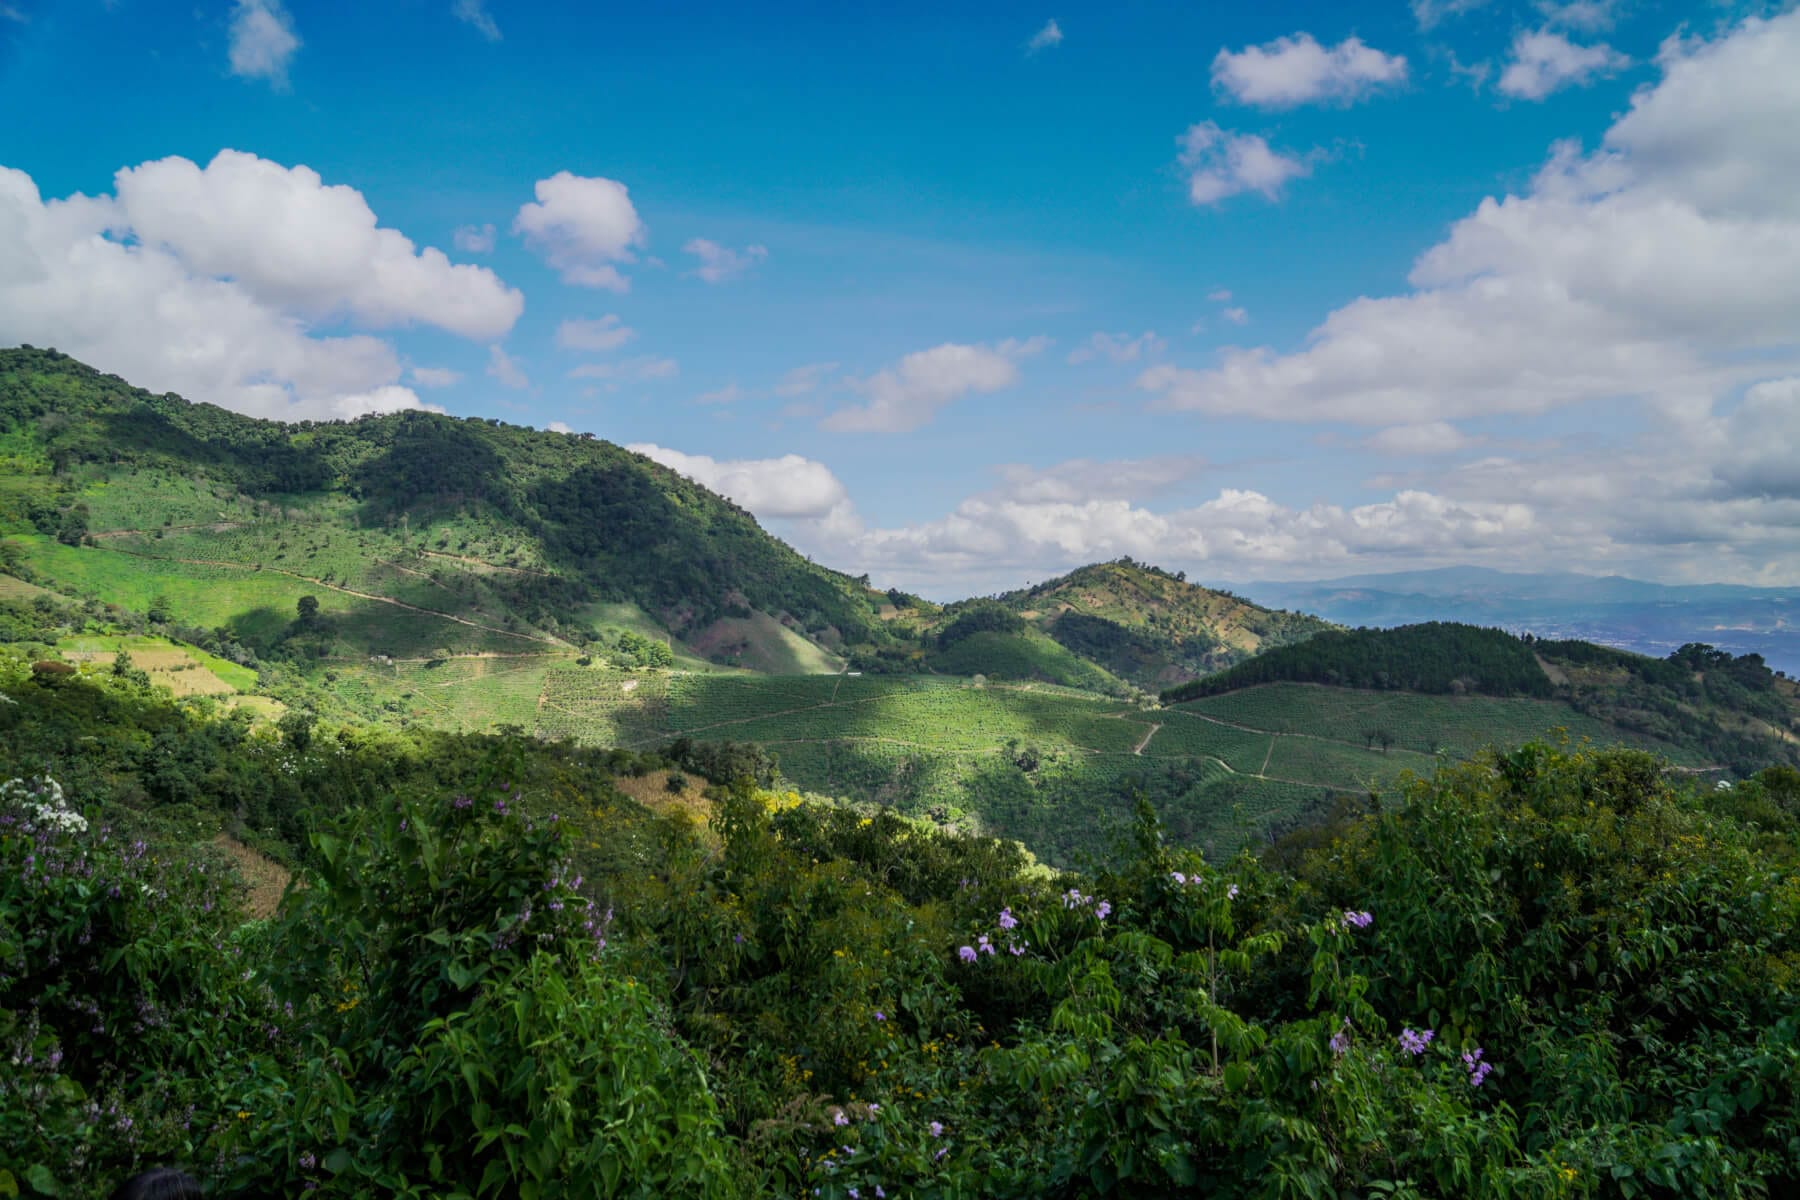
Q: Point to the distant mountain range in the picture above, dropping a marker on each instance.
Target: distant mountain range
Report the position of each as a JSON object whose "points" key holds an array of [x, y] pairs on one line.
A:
{"points": [[1650, 618]]}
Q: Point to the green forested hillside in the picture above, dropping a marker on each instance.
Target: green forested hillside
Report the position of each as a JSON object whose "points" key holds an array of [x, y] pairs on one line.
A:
{"points": [[1732, 710], [1151, 627], [482, 514], [1549, 973]]}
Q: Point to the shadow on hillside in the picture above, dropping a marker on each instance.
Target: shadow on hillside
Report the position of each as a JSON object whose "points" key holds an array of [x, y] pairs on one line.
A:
{"points": [[432, 461]]}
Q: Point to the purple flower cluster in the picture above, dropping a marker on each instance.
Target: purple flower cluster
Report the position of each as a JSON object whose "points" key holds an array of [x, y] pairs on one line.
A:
{"points": [[1340, 1041], [985, 945], [1477, 1069], [1358, 920], [1414, 1041]]}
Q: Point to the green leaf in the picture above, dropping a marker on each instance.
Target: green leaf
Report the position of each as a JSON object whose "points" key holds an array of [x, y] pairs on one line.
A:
{"points": [[42, 1181], [9, 1187]]}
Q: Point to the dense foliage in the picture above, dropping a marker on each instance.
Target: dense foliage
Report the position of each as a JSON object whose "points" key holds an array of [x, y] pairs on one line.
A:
{"points": [[1733, 706], [1550, 972], [1436, 657]]}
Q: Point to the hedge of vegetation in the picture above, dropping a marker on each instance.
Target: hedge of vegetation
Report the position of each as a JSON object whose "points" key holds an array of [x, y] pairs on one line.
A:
{"points": [[1548, 972]]}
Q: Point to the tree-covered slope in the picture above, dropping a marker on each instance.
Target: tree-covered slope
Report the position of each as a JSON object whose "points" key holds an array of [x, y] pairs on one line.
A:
{"points": [[1435, 657], [1732, 710], [1153, 628], [559, 521]]}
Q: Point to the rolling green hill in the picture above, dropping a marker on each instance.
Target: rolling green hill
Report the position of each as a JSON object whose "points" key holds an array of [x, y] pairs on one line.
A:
{"points": [[1155, 629], [419, 571], [469, 534]]}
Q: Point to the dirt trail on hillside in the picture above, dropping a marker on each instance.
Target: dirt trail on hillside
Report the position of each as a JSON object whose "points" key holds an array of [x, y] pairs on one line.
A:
{"points": [[482, 562], [1147, 736], [209, 526]]}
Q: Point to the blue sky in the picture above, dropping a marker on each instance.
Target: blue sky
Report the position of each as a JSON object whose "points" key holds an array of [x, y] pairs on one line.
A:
{"points": [[964, 298]]}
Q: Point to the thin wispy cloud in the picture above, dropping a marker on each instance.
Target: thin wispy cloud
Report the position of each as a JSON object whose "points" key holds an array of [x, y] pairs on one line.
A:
{"points": [[474, 13], [1049, 36]]}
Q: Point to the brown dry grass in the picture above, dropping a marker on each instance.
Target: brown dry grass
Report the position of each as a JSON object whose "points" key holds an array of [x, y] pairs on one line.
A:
{"points": [[652, 791], [266, 878]]}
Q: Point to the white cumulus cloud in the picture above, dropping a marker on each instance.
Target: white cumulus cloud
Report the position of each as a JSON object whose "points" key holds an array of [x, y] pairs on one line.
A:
{"points": [[584, 227], [262, 41], [210, 283], [293, 241], [1221, 164], [1296, 70], [1544, 61], [909, 394], [789, 486]]}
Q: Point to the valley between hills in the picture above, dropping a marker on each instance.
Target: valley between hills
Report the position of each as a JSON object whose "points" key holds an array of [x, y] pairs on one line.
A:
{"points": [[465, 575]]}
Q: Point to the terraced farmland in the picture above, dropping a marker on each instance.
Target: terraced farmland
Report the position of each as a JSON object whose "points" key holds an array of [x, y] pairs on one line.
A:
{"points": [[1051, 766]]}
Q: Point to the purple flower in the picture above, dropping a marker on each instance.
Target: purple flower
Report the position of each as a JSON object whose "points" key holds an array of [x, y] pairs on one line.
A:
{"points": [[461, 802], [1361, 920], [982, 944], [1178, 877], [880, 1016], [838, 1118], [854, 1194], [1102, 909], [937, 1129], [500, 807], [1477, 1069], [1007, 920], [307, 1161], [966, 953], [1231, 893], [1414, 1041], [1016, 949]]}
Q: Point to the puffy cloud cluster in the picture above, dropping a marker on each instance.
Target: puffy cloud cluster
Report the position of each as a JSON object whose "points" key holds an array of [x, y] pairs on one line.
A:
{"points": [[1296, 70], [789, 486], [211, 281], [584, 227], [1646, 268]]}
